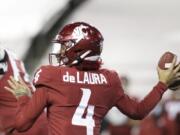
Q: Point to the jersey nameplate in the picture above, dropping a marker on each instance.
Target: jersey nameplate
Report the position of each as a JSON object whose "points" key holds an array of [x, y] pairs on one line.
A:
{"points": [[85, 78]]}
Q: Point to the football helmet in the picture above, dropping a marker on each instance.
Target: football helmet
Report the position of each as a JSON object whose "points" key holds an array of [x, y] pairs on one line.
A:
{"points": [[75, 43]]}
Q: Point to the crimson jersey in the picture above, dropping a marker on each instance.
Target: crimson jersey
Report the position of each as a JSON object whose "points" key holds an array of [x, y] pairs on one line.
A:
{"points": [[77, 101], [8, 103]]}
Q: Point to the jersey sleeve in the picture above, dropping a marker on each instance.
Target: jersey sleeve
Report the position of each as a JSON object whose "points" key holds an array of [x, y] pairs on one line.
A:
{"points": [[138, 110], [30, 109], [116, 84]]}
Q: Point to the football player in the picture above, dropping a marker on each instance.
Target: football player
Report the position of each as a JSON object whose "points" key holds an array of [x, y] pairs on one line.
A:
{"points": [[11, 66], [78, 92]]}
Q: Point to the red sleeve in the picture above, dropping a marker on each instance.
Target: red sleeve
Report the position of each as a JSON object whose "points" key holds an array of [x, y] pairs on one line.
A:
{"points": [[138, 110], [30, 109]]}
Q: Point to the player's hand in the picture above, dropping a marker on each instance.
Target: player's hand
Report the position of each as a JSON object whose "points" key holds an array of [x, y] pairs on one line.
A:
{"points": [[168, 75], [18, 88]]}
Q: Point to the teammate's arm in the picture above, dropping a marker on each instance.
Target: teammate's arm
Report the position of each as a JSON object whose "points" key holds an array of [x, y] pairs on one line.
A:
{"points": [[28, 108]]}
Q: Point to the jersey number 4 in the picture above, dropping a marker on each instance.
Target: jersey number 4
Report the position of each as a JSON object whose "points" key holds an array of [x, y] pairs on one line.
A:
{"points": [[87, 121]]}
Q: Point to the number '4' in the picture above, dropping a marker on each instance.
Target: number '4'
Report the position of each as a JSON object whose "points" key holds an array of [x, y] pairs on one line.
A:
{"points": [[78, 115]]}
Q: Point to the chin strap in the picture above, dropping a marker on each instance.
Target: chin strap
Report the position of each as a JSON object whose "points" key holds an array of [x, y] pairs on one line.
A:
{"points": [[81, 57], [93, 58]]}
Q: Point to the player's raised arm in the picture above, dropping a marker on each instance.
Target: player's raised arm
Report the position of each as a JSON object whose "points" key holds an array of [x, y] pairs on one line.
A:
{"points": [[138, 110]]}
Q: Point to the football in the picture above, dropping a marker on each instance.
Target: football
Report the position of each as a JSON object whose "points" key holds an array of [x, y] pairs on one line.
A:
{"points": [[166, 60], [165, 63]]}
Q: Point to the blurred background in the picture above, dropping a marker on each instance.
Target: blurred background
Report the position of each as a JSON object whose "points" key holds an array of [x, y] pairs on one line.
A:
{"points": [[136, 33]]}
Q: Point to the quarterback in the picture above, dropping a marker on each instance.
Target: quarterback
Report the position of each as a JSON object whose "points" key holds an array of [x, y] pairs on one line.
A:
{"points": [[78, 92], [11, 66]]}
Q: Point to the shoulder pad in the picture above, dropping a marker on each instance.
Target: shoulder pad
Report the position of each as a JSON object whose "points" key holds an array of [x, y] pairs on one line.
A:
{"points": [[42, 76], [46, 76]]}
